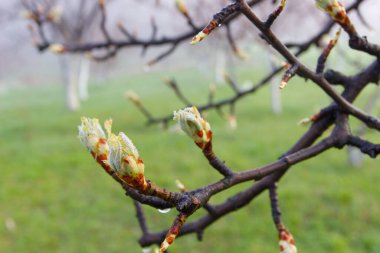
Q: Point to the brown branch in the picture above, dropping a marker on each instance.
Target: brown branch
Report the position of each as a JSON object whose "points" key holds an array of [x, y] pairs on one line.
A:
{"points": [[103, 21], [326, 52], [215, 162], [302, 48], [163, 55], [273, 16], [141, 217], [131, 40], [233, 84], [172, 84], [304, 71], [243, 198], [126, 33], [276, 212], [366, 147], [267, 176]]}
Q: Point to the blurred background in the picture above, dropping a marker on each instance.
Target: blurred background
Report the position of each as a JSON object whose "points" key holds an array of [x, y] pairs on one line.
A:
{"points": [[55, 198]]}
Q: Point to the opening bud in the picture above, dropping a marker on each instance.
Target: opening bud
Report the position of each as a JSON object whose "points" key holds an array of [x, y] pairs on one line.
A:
{"points": [[180, 186], [93, 137], [206, 31], [55, 14], [333, 7], [28, 15], [194, 125], [131, 95], [287, 242], [57, 48], [198, 38], [241, 53], [181, 7], [124, 158], [102, 3]]}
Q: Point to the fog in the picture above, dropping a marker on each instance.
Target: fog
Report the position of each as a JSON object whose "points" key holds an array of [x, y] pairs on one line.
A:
{"points": [[21, 63]]}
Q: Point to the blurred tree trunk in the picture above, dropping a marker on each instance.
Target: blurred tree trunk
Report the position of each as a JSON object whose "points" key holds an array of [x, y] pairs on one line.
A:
{"points": [[220, 65], [84, 75], [70, 79], [275, 91]]}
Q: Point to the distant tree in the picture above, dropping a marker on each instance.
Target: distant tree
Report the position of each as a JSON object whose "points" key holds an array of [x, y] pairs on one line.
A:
{"points": [[68, 22], [120, 158]]}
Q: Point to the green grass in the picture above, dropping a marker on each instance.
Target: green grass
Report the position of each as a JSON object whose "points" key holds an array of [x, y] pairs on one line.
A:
{"points": [[61, 201]]}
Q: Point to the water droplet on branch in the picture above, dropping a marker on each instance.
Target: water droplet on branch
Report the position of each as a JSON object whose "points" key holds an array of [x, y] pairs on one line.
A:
{"points": [[164, 210]]}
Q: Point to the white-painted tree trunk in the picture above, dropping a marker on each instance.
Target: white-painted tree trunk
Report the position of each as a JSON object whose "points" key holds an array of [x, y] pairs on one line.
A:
{"points": [[70, 78], [220, 66], [84, 75], [275, 91], [276, 96]]}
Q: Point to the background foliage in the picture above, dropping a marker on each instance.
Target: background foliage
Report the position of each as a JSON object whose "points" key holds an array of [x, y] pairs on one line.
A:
{"points": [[61, 200]]}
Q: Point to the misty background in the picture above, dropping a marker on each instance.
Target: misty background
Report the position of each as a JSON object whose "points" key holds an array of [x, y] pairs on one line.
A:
{"points": [[22, 64]]}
